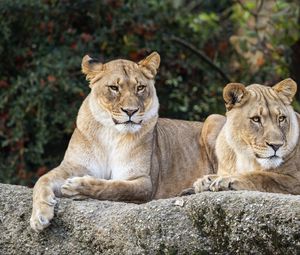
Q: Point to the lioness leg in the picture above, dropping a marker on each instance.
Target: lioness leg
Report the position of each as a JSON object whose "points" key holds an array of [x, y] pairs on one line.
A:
{"points": [[138, 189], [258, 181], [44, 193]]}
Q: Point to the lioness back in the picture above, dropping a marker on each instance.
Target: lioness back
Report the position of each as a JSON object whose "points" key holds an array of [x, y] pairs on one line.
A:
{"points": [[176, 155]]}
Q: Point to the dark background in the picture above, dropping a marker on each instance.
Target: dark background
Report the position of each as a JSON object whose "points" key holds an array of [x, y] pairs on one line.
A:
{"points": [[203, 45]]}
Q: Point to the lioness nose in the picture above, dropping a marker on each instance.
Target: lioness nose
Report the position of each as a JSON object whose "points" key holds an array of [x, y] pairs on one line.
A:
{"points": [[275, 146], [130, 112]]}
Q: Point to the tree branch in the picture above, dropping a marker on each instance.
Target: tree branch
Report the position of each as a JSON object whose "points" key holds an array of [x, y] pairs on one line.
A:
{"points": [[201, 55], [258, 7]]}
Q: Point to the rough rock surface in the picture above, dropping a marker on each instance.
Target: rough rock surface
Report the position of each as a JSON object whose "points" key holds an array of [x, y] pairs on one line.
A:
{"points": [[207, 223]]}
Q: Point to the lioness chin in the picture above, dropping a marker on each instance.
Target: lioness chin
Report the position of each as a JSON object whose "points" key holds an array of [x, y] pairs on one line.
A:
{"points": [[120, 150], [257, 146]]}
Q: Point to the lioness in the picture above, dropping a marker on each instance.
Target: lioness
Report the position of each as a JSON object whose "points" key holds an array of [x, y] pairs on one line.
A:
{"points": [[120, 150], [258, 146]]}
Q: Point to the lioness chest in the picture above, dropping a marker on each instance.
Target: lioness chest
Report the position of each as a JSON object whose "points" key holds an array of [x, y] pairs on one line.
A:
{"points": [[116, 157]]}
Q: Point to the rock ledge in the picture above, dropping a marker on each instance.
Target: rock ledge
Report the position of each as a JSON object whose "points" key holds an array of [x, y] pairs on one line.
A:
{"points": [[207, 223]]}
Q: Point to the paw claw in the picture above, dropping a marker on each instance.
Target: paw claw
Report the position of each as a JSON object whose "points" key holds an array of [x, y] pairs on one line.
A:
{"points": [[43, 220], [222, 183], [203, 184], [51, 201]]}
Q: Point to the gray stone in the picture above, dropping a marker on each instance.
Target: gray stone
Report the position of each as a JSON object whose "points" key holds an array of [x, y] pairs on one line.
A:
{"points": [[207, 223]]}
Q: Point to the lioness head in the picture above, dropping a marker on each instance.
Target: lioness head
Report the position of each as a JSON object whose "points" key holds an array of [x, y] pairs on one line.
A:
{"points": [[123, 95], [261, 122]]}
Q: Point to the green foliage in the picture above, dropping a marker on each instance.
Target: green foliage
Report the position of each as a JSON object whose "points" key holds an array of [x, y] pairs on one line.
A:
{"points": [[42, 44], [269, 28]]}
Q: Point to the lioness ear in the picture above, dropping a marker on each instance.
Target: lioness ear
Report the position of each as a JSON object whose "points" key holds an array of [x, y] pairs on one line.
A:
{"points": [[90, 67], [150, 65], [234, 94], [286, 89]]}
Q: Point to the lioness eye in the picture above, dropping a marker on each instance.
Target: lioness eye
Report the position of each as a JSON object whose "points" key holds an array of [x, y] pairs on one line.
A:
{"points": [[255, 119], [140, 88], [281, 118], [114, 88]]}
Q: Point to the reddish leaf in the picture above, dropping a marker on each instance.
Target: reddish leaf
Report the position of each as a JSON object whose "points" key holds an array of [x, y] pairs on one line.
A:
{"points": [[81, 94], [260, 61], [51, 78], [3, 84], [42, 26], [86, 37], [50, 27], [223, 46], [41, 171], [73, 46], [42, 83], [210, 50]]}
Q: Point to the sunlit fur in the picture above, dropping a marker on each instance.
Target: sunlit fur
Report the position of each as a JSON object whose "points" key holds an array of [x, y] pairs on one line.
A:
{"points": [[109, 158], [257, 117]]}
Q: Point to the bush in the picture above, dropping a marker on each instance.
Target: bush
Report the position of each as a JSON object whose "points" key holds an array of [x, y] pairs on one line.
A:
{"points": [[42, 44]]}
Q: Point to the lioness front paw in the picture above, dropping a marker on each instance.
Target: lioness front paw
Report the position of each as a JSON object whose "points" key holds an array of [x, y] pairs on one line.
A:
{"points": [[224, 183], [73, 187], [42, 214], [203, 184]]}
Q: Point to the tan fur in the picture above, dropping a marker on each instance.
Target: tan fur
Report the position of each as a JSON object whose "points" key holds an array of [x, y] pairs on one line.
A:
{"points": [[245, 146], [149, 158]]}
